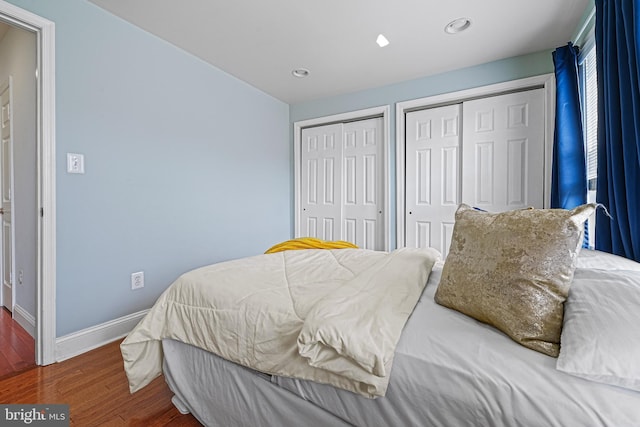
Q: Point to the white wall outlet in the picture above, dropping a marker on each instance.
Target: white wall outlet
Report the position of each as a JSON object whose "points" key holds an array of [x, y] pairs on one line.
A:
{"points": [[75, 163], [20, 276], [137, 280]]}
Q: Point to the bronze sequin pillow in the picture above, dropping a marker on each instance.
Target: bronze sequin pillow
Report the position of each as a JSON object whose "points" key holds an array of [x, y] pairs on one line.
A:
{"points": [[513, 270]]}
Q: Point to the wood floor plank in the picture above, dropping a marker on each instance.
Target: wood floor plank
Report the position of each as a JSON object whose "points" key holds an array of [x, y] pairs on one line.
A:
{"points": [[95, 387], [17, 347], [22, 342]]}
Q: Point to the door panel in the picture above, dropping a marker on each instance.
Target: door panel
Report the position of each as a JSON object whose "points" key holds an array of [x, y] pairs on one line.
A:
{"points": [[432, 176], [321, 182], [503, 151], [363, 186]]}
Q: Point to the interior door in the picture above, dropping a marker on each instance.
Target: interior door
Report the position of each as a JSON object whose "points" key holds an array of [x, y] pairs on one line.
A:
{"points": [[432, 176], [321, 182], [362, 183], [503, 151], [342, 194], [6, 187]]}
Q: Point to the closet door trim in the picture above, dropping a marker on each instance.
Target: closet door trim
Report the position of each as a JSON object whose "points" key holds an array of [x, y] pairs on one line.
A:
{"points": [[545, 81], [382, 111]]}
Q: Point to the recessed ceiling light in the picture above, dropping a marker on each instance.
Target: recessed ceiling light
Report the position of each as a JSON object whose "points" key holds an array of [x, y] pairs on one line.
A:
{"points": [[300, 72], [382, 40], [457, 26]]}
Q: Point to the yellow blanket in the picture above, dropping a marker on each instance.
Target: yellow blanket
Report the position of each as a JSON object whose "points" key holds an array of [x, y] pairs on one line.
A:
{"points": [[309, 243]]}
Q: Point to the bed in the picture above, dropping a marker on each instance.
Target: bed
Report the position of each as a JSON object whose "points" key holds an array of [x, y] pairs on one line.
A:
{"points": [[448, 368]]}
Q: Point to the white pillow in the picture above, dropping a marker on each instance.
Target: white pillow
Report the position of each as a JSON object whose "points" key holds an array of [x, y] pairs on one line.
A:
{"points": [[605, 261], [600, 338]]}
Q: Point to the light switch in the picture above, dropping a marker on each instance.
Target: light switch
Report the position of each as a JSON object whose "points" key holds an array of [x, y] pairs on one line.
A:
{"points": [[75, 163]]}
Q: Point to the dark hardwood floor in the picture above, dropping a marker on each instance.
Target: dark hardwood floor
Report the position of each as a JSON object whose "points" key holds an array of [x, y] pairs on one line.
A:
{"points": [[95, 387], [17, 347]]}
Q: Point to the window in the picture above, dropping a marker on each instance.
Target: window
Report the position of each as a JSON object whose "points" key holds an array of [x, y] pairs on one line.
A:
{"points": [[589, 96]]}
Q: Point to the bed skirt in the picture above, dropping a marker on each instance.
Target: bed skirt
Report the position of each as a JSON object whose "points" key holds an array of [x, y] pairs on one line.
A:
{"points": [[240, 397]]}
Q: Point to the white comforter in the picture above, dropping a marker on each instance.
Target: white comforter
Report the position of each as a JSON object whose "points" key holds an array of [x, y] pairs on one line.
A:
{"points": [[331, 316]]}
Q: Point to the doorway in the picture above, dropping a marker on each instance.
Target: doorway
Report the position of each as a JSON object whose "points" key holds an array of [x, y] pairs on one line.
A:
{"points": [[18, 208], [44, 207]]}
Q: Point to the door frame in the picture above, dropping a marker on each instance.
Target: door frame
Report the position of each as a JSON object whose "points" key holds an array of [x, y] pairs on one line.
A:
{"points": [[545, 81], [381, 111], [45, 165]]}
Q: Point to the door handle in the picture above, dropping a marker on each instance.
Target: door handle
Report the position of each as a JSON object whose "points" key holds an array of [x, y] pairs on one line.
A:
{"points": [[1, 211]]}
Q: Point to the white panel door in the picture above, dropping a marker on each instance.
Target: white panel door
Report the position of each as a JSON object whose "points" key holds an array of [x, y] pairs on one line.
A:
{"points": [[432, 176], [362, 188], [503, 151], [321, 182], [6, 231]]}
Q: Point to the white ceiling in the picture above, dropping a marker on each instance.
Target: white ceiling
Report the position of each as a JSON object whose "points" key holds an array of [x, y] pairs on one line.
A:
{"points": [[261, 41]]}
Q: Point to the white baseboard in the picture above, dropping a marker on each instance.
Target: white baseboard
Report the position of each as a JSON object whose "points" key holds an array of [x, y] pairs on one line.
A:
{"points": [[82, 341], [25, 319]]}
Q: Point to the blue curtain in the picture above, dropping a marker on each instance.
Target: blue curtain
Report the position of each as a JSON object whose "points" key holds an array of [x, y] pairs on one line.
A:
{"points": [[568, 173], [618, 187]]}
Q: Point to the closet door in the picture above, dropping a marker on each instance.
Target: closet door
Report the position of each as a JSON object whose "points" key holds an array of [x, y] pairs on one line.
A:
{"points": [[503, 151], [321, 178], [432, 176], [363, 186], [342, 183], [495, 162]]}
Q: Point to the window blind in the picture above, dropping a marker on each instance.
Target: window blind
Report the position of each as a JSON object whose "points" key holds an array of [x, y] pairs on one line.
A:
{"points": [[590, 104]]}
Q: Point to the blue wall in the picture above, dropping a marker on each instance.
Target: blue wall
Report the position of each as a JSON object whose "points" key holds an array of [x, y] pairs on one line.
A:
{"points": [[481, 75], [185, 165]]}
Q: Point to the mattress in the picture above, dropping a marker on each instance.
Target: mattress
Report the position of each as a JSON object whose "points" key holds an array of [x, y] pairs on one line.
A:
{"points": [[449, 370]]}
